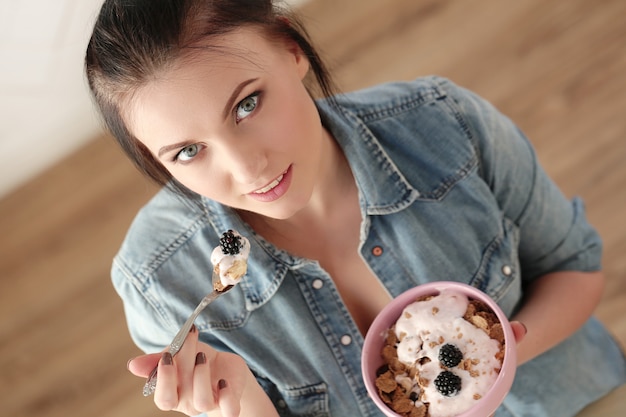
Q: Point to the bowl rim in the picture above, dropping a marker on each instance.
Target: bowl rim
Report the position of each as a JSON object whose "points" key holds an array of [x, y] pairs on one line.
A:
{"points": [[374, 339]]}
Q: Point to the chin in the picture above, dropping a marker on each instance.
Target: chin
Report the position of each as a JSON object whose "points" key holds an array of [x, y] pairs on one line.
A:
{"points": [[284, 208]]}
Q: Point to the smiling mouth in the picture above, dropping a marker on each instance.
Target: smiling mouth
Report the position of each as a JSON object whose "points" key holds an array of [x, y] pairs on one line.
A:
{"points": [[269, 187]]}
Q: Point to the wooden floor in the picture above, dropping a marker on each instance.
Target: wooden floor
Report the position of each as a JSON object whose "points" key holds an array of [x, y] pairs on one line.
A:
{"points": [[557, 68]]}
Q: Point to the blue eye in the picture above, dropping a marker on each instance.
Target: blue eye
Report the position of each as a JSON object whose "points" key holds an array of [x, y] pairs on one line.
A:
{"points": [[188, 153], [247, 106]]}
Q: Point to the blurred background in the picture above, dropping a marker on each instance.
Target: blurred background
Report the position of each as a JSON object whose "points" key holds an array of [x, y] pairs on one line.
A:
{"points": [[44, 107], [67, 194]]}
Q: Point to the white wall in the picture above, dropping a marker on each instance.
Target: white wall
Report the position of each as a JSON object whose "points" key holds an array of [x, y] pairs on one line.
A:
{"points": [[45, 111]]}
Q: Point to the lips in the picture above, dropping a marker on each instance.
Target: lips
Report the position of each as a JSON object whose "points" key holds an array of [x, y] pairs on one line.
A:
{"points": [[275, 189], [271, 185]]}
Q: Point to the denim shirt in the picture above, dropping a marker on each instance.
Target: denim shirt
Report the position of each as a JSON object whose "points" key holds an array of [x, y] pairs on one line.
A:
{"points": [[449, 189]]}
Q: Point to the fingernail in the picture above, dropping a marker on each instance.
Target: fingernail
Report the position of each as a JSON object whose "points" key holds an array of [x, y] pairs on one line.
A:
{"points": [[193, 329], [525, 328], [221, 384], [128, 363], [200, 358], [167, 358]]}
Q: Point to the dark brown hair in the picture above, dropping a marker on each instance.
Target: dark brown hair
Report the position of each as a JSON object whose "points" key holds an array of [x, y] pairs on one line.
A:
{"points": [[133, 40]]}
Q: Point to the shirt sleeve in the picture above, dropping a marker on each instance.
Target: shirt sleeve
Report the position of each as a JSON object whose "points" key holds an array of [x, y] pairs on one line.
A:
{"points": [[554, 232], [149, 327]]}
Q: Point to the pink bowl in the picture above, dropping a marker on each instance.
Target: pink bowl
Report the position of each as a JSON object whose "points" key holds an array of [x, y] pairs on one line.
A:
{"points": [[371, 359]]}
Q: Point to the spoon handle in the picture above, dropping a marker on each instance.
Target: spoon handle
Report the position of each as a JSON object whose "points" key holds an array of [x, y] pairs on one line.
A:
{"points": [[179, 339]]}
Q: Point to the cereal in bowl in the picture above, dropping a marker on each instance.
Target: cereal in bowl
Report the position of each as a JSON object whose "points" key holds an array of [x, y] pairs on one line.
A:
{"points": [[441, 356]]}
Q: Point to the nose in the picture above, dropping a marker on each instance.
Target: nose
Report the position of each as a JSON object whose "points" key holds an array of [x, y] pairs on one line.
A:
{"points": [[245, 163]]}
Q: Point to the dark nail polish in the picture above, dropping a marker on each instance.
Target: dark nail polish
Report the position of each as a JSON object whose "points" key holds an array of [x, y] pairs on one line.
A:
{"points": [[167, 358], [200, 358], [193, 329], [221, 384]]}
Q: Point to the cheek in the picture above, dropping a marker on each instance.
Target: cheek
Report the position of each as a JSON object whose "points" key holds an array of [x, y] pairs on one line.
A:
{"points": [[199, 178], [299, 122]]}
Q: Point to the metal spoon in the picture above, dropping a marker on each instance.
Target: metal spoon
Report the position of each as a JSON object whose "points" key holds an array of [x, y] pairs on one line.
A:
{"points": [[179, 339]]}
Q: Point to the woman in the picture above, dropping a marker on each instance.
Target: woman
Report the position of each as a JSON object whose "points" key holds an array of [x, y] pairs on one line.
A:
{"points": [[347, 201]]}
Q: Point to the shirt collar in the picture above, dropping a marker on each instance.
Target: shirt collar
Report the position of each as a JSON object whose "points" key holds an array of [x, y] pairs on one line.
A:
{"points": [[382, 187]]}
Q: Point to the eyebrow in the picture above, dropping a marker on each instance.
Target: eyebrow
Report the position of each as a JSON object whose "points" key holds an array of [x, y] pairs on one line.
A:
{"points": [[174, 146], [234, 95], [229, 105]]}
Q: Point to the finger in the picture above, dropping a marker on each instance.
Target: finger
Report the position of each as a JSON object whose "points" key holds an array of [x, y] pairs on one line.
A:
{"points": [[230, 379], [519, 330], [185, 363], [166, 392], [229, 399], [203, 398], [142, 365]]}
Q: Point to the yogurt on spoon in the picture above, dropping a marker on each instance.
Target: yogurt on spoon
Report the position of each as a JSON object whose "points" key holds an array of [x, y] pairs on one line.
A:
{"points": [[230, 260]]}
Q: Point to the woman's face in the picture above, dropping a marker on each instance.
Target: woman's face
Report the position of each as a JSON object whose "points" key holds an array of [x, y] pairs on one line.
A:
{"points": [[235, 124]]}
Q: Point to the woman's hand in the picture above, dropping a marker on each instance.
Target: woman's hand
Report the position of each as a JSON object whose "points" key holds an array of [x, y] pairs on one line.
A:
{"points": [[519, 331], [200, 379]]}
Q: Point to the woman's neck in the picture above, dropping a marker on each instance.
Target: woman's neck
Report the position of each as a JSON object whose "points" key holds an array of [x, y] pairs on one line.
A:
{"points": [[336, 182], [334, 202]]}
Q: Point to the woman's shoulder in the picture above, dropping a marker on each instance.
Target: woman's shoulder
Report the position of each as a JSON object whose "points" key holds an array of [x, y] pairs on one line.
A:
{"points": [[163, 224], [427, 113], [424, 107], [396, 94]]}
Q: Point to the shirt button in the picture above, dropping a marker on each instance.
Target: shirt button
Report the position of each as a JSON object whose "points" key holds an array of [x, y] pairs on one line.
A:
{"points": [[318, 284], [281, 404], [507, 270], [377, 251], [346, 340]]}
